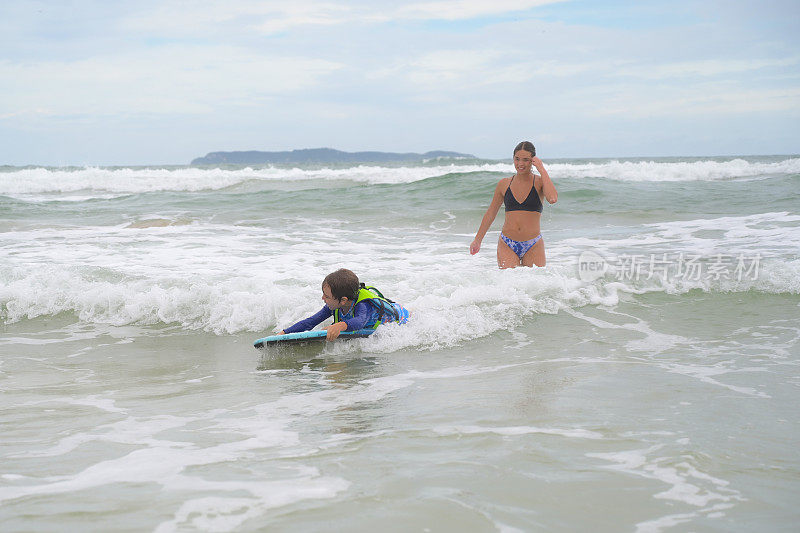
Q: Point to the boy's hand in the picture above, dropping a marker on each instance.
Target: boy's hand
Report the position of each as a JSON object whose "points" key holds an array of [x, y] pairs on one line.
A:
{"points": [[335, 329]]}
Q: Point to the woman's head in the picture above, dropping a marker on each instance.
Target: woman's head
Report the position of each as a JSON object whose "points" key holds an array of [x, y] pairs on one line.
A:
{"points": [[527, 146], [342, 283]]}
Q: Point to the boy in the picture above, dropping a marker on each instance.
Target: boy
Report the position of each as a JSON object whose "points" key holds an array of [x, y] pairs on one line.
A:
{"points": [[352, 306]]}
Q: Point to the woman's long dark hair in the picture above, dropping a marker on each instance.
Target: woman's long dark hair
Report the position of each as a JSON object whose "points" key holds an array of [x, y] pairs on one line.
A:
{"points": [[527, 146]]}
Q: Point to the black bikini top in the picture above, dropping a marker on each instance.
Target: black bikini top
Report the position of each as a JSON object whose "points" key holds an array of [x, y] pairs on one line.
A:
{"points": [[531, 203]]}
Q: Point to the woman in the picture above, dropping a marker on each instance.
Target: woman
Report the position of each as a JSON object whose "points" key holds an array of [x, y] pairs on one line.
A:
{"points": [[520, 240]]}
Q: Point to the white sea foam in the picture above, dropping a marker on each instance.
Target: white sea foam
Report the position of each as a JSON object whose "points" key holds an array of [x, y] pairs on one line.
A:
{"points": [[707, 374], [231, 279], [219, 513], [675, 171], [166, 466], [653, 342], [731, 254], [77, 182], [132, 431], [686, 483], [249, 429], [170, 463], [513, 431]]}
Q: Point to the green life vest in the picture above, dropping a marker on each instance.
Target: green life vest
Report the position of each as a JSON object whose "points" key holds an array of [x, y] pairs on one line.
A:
{"points": [[374, 297]]}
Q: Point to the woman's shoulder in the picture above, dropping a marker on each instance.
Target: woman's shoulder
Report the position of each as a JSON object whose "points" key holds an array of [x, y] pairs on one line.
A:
{"points": [[504, 182]]}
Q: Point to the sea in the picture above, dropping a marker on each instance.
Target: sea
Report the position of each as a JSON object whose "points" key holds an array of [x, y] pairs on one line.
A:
{"points": [[647, 379]]}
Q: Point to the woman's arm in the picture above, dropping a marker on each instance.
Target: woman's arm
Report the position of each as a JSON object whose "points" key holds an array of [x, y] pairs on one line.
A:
{"points": [[488, 217], [548, 189]]}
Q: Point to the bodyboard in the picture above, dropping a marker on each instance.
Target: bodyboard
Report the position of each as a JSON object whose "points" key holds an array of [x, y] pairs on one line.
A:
{"points": [[309, 336]]}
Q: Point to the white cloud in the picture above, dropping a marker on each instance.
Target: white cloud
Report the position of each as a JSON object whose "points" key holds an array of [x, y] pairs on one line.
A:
{"points": [[201, 17], [466, 9], [173, 79], [696, 102], [468, 69], [447, 67], [359, 69], [303, 14], [708, 67], [205, 17]]}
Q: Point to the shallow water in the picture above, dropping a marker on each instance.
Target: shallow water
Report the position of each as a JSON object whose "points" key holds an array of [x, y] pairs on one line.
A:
{"points": [[640, 399]]}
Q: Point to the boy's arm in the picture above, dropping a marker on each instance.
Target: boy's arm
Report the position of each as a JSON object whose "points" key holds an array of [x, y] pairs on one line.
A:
{"points": [[309, 323], [358, 321], [361, 314]]}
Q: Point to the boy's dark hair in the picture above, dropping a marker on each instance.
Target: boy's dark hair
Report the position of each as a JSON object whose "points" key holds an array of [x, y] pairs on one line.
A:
{"points": [[343, 283], [527, 146]]}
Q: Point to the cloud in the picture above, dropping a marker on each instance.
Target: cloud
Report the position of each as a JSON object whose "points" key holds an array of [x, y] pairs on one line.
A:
{"points": [[466, 9], [711, 99], [302, 14], [170, 79], [703, 68], [239, 72], [202, 17], [459, 70], [448, 68]]}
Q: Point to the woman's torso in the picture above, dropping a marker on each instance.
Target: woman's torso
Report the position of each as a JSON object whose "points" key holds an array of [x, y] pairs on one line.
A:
{"points": [[522, 223]]}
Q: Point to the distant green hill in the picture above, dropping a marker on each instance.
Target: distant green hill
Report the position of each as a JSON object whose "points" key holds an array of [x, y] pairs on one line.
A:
{"points": [[315, 155]]}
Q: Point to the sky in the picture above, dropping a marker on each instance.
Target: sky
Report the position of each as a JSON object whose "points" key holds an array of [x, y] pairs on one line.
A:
{"points": [[147, 82]]}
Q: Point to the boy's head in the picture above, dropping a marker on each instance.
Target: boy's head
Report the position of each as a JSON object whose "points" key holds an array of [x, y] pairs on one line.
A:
{"points": [[340, 284]]}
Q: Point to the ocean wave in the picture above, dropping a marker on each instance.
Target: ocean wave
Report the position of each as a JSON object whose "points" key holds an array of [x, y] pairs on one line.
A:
{"points": [[445, 311], [29, 181], [658, 171], [233, 278], [98, 181]]}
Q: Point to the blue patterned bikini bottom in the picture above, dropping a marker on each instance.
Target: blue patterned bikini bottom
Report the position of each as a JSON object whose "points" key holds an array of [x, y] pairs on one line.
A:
{"points": [[520, 247]]}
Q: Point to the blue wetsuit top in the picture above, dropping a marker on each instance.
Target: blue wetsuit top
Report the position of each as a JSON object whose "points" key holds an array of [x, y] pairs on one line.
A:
{"points": [[531, 203], [362, 315]]}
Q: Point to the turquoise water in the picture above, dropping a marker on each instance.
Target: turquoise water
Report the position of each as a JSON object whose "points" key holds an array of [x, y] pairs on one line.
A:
{"points": [[658, 393]]}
